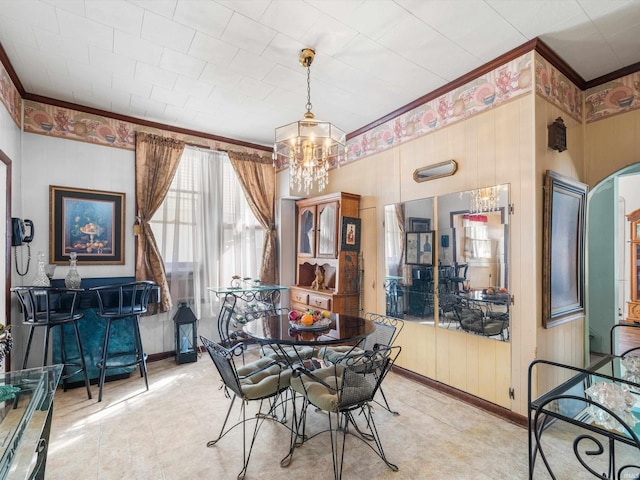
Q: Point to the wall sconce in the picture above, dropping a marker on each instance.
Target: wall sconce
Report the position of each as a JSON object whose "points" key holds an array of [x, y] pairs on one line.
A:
{"points": [[437, 170], [557, 135]]}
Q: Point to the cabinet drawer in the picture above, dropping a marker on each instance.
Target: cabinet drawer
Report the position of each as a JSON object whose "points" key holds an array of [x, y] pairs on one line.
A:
{"points": [[317, 301], [299, 297]]}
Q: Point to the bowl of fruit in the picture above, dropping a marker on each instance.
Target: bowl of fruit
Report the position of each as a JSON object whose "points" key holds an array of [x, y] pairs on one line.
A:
{"points": [[310, 320]]}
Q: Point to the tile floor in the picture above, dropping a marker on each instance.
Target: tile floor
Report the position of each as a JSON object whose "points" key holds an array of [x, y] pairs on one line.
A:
{"points": [[162, 434]]}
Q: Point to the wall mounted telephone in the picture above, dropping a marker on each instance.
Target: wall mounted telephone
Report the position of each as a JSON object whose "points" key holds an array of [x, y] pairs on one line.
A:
{"points": [[22, 233], [19, 231]]}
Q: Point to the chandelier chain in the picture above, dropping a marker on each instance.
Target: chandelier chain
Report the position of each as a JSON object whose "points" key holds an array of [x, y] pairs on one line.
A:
{"points": [[308, 106]]}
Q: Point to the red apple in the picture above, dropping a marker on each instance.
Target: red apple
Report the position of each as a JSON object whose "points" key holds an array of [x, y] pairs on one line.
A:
{"points": [[293, 315]]}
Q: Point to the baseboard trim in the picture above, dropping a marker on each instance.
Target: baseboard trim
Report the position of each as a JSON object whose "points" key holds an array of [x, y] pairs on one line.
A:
{"points": [[465, 397]]}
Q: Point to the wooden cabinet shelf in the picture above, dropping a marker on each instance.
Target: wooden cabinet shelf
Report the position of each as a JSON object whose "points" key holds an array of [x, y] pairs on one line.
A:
{"points": [[633, 312], [319, 234]]}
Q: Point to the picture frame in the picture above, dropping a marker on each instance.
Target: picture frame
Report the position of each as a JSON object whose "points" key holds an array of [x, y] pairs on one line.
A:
{"points": [[419, 248], [350, 234], [417, 224], [88, 222], [563, 249]]}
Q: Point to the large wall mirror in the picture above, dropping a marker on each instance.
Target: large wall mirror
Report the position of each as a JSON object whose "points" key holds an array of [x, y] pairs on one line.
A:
{"points": [[410, 254], [459, 255]]}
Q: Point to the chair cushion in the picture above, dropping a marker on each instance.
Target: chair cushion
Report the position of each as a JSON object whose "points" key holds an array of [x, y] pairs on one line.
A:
{"points": [[293, 354], [263, 383], [337, 353], [317, 393]]}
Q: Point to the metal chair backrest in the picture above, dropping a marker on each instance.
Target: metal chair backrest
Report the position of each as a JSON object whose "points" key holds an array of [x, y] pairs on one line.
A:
{"points": [[223, 360], [42, 305], [386, 332], [362, 376], [123, 299]]}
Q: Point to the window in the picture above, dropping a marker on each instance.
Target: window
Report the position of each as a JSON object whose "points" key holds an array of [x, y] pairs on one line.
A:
{"points": [[205, 230]]}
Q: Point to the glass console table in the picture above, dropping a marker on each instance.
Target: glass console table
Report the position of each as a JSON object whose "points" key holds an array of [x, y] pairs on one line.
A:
{"points": [[239, 304], [26, 407], [601, 436]]}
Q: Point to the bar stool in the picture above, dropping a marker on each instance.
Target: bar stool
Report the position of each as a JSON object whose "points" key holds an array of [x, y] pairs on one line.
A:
{"points": [[51, 307], [123, 303]]}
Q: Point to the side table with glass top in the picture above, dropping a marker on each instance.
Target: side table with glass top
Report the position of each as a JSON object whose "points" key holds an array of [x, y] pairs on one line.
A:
{"points": [[26, 409], [237, 302], [597, 409]]}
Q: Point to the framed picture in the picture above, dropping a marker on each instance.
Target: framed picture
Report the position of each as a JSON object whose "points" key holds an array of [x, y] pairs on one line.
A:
{"points": [[350, 234], [419, 248], [412, 252], [419, 224], [563, 249], [88, 222]]}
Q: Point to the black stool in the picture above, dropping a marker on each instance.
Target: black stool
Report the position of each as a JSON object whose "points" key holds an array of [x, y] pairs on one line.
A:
{"points": [[51, 307], [123, 302]]}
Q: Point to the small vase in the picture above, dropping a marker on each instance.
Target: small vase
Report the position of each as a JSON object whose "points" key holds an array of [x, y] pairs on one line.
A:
{"points": [[41, 279], [72, 280]]}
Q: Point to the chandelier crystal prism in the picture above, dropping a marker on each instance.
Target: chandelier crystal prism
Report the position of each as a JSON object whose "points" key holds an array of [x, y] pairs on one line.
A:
{"points": [[310, 146]]}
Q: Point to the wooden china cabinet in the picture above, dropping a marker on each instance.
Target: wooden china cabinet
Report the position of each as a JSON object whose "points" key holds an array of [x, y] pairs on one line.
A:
{"points": [[319, 234], [633, 312]]}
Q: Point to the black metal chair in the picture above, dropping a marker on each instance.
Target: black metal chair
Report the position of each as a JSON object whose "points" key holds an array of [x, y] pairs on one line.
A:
{"points": [[123, 303], [264, 379], [49, 307], [385, 334], [341, 391], [459, 277]]}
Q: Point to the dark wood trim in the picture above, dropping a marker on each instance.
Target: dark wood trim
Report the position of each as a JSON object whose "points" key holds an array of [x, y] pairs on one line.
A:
{"points": [[458, 82], [465, 397], [154, 357], [7, 250], [146, 123], [535, 44], [12, 73], [553, 58], [628, 70]]}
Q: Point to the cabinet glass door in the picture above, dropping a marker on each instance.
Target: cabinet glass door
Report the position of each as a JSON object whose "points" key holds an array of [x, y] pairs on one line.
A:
{"points": [[306, 240], [327, 230]]}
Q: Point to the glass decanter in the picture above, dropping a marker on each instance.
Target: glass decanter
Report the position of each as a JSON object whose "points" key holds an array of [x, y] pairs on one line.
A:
{"points": [[72, 280], [41, 279]]}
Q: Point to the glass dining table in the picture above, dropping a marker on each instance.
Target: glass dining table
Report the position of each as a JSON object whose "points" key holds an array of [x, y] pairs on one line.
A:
{"points": [[279, 332]]}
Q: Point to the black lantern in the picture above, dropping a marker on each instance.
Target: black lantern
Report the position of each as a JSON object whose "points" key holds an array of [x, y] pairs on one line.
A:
{"points": [[186, 331]]}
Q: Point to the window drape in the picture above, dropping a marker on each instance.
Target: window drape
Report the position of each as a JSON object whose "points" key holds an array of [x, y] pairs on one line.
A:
{"points": [[257, 177], [205, 231], [157, 159]]}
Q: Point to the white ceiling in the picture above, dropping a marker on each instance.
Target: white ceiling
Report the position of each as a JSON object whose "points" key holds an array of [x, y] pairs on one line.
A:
{"points": [[230, 67]]}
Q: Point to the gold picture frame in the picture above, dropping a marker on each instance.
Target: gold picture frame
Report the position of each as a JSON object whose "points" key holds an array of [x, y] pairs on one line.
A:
{"points": [[87, 222]]}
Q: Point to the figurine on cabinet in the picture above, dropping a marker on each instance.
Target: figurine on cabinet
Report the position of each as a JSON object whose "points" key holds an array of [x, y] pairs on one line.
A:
{"points": [[318, 282]]}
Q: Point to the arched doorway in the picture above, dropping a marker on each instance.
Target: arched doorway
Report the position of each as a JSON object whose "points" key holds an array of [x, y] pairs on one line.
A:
{"points": [[607, 281]]}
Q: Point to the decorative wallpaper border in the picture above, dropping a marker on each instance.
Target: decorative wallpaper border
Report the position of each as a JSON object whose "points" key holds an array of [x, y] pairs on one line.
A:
{"points": [[45, 119], [619, 96], [557, 89], [505, 83], [9, 95]]}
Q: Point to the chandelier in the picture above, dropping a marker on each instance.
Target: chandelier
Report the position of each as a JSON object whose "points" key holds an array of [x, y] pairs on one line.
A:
{"points": [[484, 199], [310, 146]]}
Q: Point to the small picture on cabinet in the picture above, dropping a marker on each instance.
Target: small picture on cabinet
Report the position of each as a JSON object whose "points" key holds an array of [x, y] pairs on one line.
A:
{"points": [[350, 234]]}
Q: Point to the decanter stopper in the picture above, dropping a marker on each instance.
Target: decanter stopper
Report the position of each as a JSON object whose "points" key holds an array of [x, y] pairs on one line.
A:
{"points": [[72, 280], [41, 279]]}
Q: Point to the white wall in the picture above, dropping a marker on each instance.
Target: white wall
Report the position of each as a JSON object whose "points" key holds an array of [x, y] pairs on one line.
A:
{"points": [[10, 144]]}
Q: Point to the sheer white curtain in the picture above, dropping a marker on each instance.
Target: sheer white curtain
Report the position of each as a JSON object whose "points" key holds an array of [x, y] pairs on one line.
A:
{"points": [[205, 230]]}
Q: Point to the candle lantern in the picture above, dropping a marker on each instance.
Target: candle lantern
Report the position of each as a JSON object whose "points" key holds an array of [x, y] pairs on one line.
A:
{"points": [[186, 334]]}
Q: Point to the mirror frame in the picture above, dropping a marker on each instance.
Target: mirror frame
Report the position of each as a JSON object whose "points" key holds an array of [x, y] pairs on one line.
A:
{"points": [[437, 170]]}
